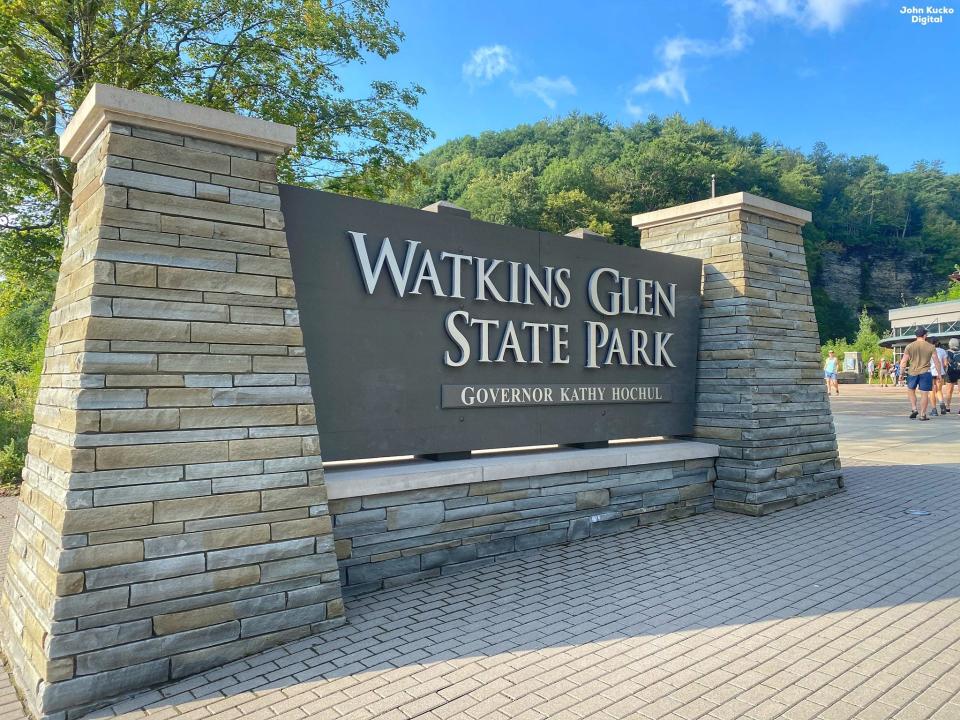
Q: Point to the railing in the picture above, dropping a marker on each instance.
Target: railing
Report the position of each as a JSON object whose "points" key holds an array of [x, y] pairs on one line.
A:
{"points": [[937, 327]]}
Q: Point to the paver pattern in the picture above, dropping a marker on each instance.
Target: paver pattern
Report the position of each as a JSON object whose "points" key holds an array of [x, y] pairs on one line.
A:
{"points": [[845, 608]]}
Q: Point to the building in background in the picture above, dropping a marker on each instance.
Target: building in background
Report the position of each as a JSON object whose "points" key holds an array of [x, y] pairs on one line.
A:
{"points": [[942, 321]]}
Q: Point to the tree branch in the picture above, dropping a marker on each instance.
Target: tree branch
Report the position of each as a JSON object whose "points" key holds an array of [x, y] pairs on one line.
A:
{"points": [[5, 224]]}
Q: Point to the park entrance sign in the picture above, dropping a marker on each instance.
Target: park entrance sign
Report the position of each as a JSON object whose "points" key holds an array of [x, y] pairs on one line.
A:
{"points": [[430, 333], [217, 339]]}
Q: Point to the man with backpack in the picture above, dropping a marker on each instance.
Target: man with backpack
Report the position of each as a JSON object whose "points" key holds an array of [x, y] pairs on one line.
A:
{"points": [[953, 371], [936, 395]]}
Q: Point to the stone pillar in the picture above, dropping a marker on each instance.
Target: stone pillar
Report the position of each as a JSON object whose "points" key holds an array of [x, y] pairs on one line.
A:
{"points": [[760, 389], [173, 512]]}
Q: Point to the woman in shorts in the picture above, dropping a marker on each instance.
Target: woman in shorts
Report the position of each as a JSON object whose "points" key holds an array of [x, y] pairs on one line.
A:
{"points": [[939, 380], [884, 372], [830, 372], [952, 367]]}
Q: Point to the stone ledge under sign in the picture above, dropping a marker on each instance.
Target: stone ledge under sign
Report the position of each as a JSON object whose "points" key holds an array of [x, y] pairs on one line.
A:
{"points": [[406, 521], [355, 480]]}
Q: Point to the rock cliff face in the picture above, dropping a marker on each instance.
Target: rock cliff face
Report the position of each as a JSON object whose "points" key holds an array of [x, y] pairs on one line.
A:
{"points": [[878, 283]]}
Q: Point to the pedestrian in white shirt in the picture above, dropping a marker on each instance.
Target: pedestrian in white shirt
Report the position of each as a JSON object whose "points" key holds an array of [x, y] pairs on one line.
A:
{"points": [[936, 395]]}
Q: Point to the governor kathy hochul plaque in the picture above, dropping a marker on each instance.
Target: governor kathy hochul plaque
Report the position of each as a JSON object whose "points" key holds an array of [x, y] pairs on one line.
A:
{"points": [[431, 333]]}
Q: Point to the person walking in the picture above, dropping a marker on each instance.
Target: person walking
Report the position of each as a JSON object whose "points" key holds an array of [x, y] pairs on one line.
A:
{"points": [[884, 372], [830, 372], [953, 371], [935, 380], [916, 361], [936, 394], [871, 366]]}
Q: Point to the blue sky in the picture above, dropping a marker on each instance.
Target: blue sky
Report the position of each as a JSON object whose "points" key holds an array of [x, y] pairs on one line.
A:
{"points": [[858, 75]]}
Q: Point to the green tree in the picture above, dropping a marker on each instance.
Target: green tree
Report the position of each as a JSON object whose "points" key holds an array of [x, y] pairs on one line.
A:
{"points": [[511, 199], [277, 59], [799, 182], [867, 340], [951, 292], [23, 328], [568, 209]]}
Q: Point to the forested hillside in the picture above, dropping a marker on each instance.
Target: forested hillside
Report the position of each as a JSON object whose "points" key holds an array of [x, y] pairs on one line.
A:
{"points": [[878, 239]]}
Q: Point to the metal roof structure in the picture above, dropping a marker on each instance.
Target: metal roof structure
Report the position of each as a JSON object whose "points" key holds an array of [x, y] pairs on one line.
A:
{"points": [[941, 319]]}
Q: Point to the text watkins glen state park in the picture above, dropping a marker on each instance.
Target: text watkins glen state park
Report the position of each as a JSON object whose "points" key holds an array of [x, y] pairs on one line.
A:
{"points": [[413, 270]]}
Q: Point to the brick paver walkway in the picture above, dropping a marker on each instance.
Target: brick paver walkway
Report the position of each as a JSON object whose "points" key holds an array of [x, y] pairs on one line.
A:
{"points": [[844, 608]]}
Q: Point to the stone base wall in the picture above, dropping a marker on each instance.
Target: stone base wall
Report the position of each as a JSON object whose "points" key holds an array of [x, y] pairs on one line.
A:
{"points": [[390, 539]]}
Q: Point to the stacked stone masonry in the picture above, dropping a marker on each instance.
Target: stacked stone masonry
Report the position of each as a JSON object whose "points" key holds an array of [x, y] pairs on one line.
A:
{"points": [[390, 539], [174, 514], [760, 389]]}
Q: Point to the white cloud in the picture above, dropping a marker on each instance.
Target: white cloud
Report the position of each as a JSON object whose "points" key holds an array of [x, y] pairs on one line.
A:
{"points": [[546, 88], [831, 14], [744, 15], [487, 63], [672, 82], [813, 14], [634, 110]]}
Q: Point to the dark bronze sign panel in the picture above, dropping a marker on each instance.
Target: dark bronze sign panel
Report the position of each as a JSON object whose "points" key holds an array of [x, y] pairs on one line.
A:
{"points": [[432, 333]]}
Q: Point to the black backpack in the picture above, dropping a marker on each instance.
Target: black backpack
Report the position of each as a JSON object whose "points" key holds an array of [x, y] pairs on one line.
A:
{"points": [[953, 361]]}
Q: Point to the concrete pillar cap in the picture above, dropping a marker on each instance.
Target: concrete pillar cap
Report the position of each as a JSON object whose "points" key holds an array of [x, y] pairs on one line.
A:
{"points": [[442, 207], [106, 103], [586, 234], [724, 203]]}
